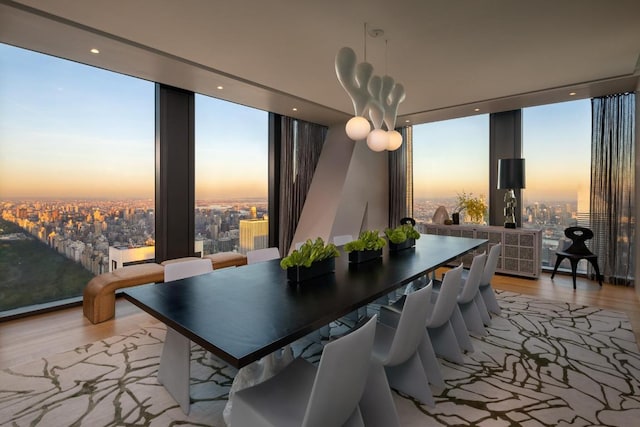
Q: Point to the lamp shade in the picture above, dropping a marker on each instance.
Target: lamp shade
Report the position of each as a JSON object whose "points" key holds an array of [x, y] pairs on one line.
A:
{"points": [[511, 174], [358, 128], [378, 140], [395, 140]]}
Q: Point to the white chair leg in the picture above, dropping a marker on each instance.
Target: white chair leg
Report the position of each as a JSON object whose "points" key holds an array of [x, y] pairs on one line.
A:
{"points": [[445, 343], [355, 420], [376, 405], [409, 377], [174, 371], [490, 299], [389, 317], [325, 331], [460, 330], [472, 318], [482, 308], [430, 363]]}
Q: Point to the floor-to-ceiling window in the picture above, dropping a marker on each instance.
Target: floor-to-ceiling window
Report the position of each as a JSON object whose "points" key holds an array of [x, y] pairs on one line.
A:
{"points": [[557, 148], [76, 175], [231, 177], [449, 158]]}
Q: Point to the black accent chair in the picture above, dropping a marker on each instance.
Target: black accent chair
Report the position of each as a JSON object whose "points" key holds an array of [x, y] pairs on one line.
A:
{"points": [[576, 251], [408, 220]]}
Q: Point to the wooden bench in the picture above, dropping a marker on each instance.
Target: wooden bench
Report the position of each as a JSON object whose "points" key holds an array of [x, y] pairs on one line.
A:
{"points": [[99, 296], [227, 259]]}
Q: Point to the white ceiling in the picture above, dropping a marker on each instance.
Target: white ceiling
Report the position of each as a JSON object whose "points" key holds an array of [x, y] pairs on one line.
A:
{"points": [[451, 56]]}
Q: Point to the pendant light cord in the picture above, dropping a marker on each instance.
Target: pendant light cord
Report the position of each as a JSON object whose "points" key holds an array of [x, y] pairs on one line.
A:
{"points": [[365, 42]]}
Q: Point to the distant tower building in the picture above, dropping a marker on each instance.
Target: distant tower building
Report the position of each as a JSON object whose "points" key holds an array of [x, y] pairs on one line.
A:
{"points": [[120, 256], [225, 244], [254, 213], [583, 207], [254, 234]]}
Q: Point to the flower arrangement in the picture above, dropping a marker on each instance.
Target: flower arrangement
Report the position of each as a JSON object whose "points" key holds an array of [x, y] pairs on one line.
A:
{"points": [[476, 207]]}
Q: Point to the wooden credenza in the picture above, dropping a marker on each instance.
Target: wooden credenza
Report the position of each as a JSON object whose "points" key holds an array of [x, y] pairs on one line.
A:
{"points": [[521, 247]]}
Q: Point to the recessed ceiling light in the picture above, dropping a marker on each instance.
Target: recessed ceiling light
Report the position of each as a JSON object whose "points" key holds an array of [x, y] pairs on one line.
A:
{"points": [[94, 50], [476, 109], [572, 93], [407, 121], [220, 87], [294, 109]]}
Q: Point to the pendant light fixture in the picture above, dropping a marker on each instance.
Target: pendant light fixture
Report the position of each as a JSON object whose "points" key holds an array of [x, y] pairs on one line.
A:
{"points": [[372, 96]]}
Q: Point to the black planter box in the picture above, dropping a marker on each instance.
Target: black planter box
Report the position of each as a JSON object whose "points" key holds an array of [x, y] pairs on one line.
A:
{"points": [[320, 268], [409, 243], [357, 257]]}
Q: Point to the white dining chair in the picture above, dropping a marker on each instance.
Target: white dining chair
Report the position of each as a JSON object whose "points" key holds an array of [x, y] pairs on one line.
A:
{"points": [[458, 322], [260, 255], [467, 304], [269, 365], [396, 349], [469, 283], [441, 332], [441, 338], [342, 239], [486, 290], [189, 268], [175, 362], [303, 395]]}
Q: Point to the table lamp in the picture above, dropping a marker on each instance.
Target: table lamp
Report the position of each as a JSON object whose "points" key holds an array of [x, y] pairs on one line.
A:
{"points": [[510, 177]]}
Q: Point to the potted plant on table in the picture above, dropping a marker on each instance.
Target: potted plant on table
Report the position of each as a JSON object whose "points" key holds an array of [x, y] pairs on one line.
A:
{"points": [[312, 259], [402, 237], [475, 207], [368, 246]]}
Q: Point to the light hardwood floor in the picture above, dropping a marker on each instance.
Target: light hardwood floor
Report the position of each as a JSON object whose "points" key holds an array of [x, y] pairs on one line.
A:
{"points": [[31, 338]]}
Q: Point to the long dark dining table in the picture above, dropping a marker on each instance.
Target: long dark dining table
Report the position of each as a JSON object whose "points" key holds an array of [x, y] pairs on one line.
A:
{"points": [[242, 314]]}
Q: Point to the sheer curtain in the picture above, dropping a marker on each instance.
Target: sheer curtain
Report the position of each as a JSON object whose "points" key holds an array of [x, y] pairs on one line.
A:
{"points": [[612, 186], [300, 147], [401, 179]]}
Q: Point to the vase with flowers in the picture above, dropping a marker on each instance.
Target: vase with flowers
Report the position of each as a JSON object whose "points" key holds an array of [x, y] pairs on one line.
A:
{"points": [[475, 208]]}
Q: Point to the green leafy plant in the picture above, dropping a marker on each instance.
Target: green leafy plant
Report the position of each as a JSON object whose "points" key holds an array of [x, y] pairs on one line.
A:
{"points": [[476, 207], [368, 240], [309, 253], [401, 233]]}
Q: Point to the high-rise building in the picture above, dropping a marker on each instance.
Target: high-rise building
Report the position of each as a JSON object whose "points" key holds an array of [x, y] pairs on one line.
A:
{"points": [[119, 256], [225, 244], [254, 234]]}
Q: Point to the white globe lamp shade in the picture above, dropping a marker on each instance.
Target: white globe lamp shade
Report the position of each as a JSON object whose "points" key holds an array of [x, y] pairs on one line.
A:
{"points": [[378, 140], [358, 128], [395, 140]]}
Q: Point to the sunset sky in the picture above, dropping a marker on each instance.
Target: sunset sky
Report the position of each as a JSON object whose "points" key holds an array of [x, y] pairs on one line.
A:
{"points": [[69, 130], [453, 156]]}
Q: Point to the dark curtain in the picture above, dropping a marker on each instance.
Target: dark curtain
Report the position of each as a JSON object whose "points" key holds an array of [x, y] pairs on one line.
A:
{"points": [[401, 179], [612, 186], [300, 147]]}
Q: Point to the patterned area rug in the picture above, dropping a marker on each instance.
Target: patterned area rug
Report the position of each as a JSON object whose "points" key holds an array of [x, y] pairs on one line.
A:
{"points": [[543, 363]]}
